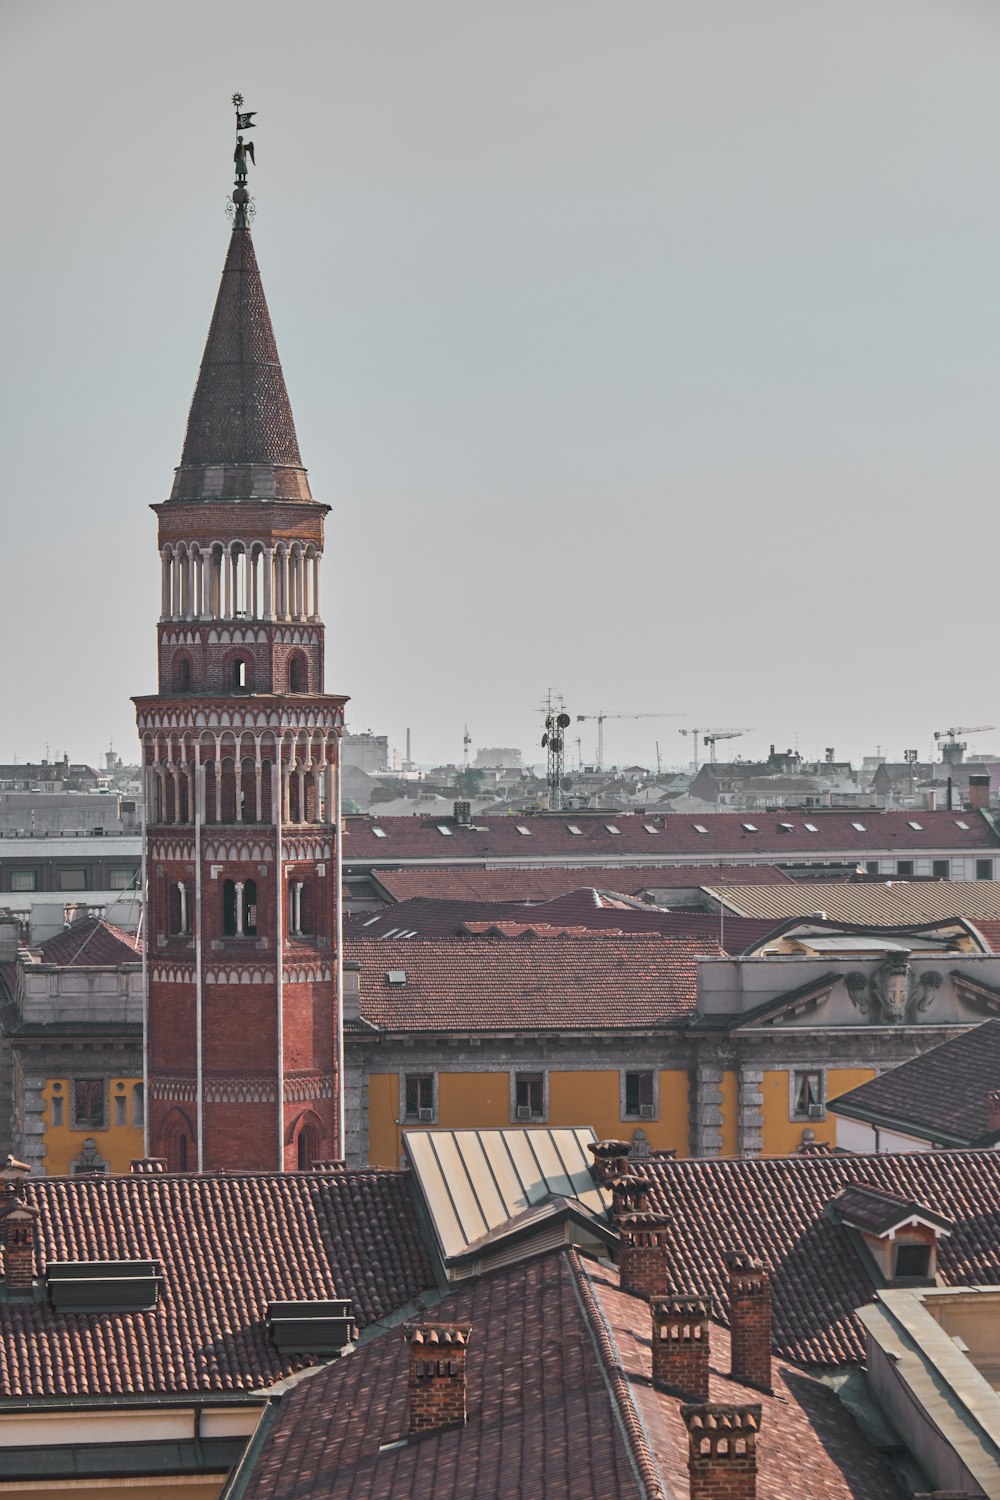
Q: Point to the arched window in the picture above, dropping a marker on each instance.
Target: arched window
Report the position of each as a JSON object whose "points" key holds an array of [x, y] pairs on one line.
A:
{"points": [[308, 1144], [182, 674], [178, 1139], [239, 908], [241, 675], [298, 908], [298, 673]]}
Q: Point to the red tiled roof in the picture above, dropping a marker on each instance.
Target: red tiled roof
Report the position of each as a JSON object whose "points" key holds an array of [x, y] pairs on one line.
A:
{"points": [[589, 982], [939, 1096], [559, 1404], [769, 835], [228, 1246], [464, 883], [989, 931], [93, 944], [776, 1208], [578, 911]]}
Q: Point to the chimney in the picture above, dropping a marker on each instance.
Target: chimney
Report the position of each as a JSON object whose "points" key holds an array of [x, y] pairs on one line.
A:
{"points": [[437, 1374], [722, 1451], [147, 1166], [463, 813], [993, 1110], [749, 1320], [17, 1227], [979, 789], [629, 1194], [642, 1253], [610, 1158], [680, 1345]]}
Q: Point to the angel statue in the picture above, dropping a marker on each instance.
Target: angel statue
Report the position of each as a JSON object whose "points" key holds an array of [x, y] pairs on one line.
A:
{"points": [[894, 993], [240, 157]]}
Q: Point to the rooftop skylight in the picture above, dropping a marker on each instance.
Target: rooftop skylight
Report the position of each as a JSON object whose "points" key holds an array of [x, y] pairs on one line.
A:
{"points": [[917, 827], [700, 828], [526, 832], [574, 829], [650, 828], [860, 827], [810, 828], [750, 827], [442, 828], [611, 828], [379, 833]]}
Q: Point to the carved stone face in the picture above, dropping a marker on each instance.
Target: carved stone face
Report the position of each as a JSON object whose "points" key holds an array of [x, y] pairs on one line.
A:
{"points": [[895, 976]]}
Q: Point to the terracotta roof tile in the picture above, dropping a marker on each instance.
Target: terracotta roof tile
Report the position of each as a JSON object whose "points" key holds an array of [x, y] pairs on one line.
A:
{"points": [[464, 883], [228, 1246], [590, 981], [940, 1095], [776, 1208], [93, 944]]}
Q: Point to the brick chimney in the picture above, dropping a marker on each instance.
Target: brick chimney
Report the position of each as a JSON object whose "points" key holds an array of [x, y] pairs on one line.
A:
{"points": [[610, 1158], [993, 1110], [642, 1253], [722, 1451], [147, 1166], [680, 1345], [437, 1374], [979, 789], [17, 1227], [750, 1320], [629, 1194]]}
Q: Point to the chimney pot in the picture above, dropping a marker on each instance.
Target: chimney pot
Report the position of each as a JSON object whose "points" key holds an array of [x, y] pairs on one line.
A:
{"points": [[610, 1158], [979, 789], [750, 1319], [629, 1194], [437, 1374], [642, 1253], [681, 1344], [722, 1450]]}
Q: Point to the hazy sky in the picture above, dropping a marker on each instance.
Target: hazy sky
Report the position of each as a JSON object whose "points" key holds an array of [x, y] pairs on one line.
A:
{"points": [[645, 351]]}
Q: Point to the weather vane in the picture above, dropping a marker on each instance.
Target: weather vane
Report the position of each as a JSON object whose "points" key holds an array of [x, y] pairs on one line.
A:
{"points": [[241, 208]]}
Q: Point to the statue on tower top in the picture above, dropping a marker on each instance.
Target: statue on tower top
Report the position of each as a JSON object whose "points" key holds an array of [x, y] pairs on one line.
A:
{"points": [[244, 205]]}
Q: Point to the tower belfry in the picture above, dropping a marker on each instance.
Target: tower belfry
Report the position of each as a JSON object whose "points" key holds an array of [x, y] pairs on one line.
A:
{"points": [[240, 750]]}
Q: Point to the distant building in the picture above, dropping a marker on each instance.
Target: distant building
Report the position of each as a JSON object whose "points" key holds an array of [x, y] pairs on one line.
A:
{"points": [[367, 751], [498, 758]]}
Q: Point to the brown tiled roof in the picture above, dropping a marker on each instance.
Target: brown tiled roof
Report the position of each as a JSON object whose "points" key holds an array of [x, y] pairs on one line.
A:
{"points": [[589, 982], [862, 903], [240, 441], [771, 835], [939, 1096], [559, 1404], [584, 910], [777, 1209], [228, 1246], [462, 883], [93, 944]]}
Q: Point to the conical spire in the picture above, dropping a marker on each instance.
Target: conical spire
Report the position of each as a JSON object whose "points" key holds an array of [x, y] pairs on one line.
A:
{"points": [[240, 442]]}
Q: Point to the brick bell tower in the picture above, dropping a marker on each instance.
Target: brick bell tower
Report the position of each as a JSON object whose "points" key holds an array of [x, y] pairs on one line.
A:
{"points": [[241, 772]]}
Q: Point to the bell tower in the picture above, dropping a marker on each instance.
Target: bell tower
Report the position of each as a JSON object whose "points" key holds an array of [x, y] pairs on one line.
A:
{"points": [[240, 754]]}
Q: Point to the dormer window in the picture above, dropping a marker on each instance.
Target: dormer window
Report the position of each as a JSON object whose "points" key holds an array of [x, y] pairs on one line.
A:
{"points": [[912, 1261], [900, 1235]]}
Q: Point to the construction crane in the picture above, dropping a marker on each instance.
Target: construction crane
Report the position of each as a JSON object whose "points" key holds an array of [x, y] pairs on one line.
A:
{"points": [[600, 727], [953, 751], [709, 737]]}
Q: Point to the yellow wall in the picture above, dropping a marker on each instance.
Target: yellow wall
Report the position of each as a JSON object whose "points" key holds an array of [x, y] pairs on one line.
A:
{"points": [[480, 1101], [782, 1135], [118, 1144]]}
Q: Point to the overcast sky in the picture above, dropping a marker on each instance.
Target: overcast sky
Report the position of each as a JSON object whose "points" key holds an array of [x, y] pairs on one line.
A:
{"points": [[645, 351]]}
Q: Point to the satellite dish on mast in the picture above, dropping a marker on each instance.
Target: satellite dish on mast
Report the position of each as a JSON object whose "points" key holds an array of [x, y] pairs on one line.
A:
{"points": [[563, 721]]}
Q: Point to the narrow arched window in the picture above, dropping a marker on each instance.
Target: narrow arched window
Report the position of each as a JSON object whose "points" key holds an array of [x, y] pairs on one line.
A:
{"points": [[182, 675], [308, 1146], [240, 675], [250, 908], [298, 674]]}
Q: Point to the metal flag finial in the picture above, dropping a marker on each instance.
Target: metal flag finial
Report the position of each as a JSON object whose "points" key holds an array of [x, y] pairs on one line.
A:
{"points": [[241, 208]]}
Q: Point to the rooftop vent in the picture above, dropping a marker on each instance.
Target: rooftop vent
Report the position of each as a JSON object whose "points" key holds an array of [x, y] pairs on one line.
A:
{"points": [[396, 976], [463, 814], [104, 1285], [312, 1327]]}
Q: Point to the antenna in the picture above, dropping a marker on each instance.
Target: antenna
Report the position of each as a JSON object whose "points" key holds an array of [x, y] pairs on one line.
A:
{"points": [[557, 721], [466, 742]]}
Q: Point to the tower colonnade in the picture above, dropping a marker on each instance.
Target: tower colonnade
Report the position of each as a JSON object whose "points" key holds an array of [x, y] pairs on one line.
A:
{"points": [[239, 579]]}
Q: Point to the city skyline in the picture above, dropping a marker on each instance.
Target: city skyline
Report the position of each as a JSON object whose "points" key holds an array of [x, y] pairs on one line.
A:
{"points": [[696, 314]]}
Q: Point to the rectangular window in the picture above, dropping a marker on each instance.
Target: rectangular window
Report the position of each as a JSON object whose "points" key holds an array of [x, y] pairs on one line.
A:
{"points": [[120, 1109], [640, 1102], [420, 1097], [73, 880], [984, 869], [529, 1096], [88, 1104], [913, 1260], [138, 1105], [57, 1110], [941, 869], [24, 880], [904, 867], [871, 866], [807, 1103], [121, 878]]}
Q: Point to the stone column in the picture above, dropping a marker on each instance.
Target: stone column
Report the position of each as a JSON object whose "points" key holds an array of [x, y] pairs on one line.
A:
{"points": [[239, 908], [707, 1110]]}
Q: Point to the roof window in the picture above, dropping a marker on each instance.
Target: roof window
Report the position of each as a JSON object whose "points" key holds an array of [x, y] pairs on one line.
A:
{"points": [[311, 1327], [786, 827], [960, 824], [376, 918], [700, 828], [650, 827], [379, 833], [524, 832], [917, 827], [574, 829], [750, 827], [396, 976], [105, 1285], [810, 828], [442, 829], [611, 828], [860, 827]]}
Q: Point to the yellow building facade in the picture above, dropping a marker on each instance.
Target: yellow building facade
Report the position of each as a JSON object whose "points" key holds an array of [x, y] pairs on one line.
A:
{"points": [[111, 1136]]}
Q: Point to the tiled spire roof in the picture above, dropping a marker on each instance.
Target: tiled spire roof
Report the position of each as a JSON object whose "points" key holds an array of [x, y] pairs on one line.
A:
{"points": [[240, 442]]}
